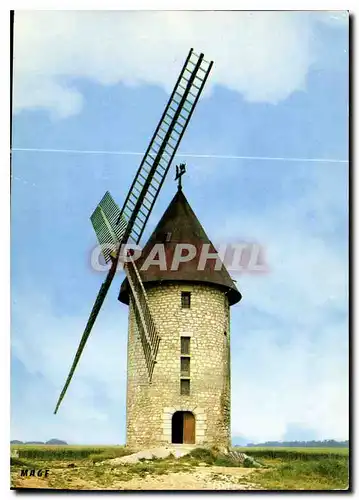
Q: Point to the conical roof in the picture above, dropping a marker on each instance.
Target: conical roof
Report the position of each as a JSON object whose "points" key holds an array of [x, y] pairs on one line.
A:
{"points": [[179, 224]]}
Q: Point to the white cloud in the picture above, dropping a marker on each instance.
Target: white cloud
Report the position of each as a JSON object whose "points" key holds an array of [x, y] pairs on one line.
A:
{"points": [[264, 55], [302, 381], [292, 365], [60, 100], [45, 343], [300, 359]]}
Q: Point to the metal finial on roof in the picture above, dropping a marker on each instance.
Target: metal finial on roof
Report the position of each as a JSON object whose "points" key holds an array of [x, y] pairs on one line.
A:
{"points": [[180, 170]]}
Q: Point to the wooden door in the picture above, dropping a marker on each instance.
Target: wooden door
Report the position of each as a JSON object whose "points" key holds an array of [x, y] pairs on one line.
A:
{"points": [[189, 434]]}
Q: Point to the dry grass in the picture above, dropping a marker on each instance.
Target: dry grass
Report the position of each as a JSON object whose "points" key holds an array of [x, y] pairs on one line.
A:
{"points": [[77, 467]]}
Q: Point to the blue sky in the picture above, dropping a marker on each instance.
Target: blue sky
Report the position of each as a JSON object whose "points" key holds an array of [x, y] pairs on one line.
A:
{"points": [[99, 81]]}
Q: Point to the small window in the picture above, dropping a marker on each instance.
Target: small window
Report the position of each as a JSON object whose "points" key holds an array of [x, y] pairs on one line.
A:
{"points": [[185, 387], [163, 237], [185, 367], [185, 345], [186, 300]]}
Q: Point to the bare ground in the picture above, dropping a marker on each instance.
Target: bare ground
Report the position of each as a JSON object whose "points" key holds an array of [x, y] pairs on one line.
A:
{"points": [[199, 478]]}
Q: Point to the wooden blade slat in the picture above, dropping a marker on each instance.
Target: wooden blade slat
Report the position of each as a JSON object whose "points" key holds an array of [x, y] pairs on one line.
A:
{"points": [[144, 320], [104, 221], [95, 310]]}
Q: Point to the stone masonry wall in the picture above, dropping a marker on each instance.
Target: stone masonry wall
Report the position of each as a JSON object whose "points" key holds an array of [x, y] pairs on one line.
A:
{"points": [[150, 406]]}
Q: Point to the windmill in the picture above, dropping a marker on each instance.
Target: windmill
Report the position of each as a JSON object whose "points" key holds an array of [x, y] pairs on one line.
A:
{"points": [[115, 227]]}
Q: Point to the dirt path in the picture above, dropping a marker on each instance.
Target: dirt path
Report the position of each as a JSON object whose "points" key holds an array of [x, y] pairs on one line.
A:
{"points": [[200, 478]]}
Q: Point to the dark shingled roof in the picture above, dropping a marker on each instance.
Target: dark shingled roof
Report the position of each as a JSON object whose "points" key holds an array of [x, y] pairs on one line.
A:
{"points": [[182, 226]]}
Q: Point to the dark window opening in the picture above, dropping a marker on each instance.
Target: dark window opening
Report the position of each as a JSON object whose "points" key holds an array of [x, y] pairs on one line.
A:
{"points": [[186, 300], [185, 387], [185, 363], [185, 341], [177, 427]]}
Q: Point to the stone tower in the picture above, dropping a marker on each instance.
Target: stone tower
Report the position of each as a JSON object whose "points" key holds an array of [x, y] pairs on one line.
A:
{"points": [[188, 399]]}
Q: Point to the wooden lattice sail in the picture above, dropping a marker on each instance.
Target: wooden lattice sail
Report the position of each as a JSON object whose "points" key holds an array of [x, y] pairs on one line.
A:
{"points": [[115, 227], [144, 320]]}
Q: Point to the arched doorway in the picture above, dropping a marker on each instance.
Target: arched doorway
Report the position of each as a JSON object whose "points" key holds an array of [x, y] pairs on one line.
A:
{"points": [[183, 427]]}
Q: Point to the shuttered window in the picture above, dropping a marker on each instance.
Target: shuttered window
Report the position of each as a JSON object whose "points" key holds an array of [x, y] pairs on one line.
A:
{"points": [[186, 300], [185, 387], [185, 341], [185, 363]]}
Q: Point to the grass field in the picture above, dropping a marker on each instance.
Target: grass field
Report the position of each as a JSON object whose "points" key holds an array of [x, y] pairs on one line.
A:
{"points": [[301, 468], [80, 467], [307, 450], [70, 452]]}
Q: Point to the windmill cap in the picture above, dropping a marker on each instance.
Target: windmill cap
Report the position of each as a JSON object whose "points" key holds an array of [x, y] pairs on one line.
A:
{"points": [[179, 224]]}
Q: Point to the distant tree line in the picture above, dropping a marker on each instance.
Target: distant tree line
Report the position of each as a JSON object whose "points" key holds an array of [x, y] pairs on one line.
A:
{"points": [[327, 443], [51, 441]]}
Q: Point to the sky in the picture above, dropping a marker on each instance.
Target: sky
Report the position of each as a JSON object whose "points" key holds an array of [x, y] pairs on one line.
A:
{"points": [[99, 81]]}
